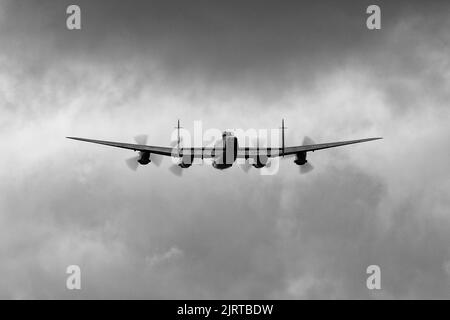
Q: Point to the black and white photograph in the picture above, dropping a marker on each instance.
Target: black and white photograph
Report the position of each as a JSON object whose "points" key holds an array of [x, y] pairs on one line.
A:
{"points": [[212, 150]]}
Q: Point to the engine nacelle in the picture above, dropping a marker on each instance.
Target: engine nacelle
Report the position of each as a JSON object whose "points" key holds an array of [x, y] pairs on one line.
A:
{"points": [[186, 161], [300, 158], [261, 161], [144, 158]]}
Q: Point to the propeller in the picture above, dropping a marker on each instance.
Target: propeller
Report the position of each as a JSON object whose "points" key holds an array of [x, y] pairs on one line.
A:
{"points": [[307, 141], [257, 141], [176, 170], [173, 143], [307, 167], [133, 163], [141, 139], [156, 159], [245, 166]]}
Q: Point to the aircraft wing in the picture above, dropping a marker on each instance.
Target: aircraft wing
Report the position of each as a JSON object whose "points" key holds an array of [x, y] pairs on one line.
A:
{"points": [[208, 152], [320, 146], [276, 152], [164, 151]]}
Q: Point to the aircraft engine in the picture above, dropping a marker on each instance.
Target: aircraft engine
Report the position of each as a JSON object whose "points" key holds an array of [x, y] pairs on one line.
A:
{"points": [[261, 161], [186, 161], [300, 158], [144, 158]]}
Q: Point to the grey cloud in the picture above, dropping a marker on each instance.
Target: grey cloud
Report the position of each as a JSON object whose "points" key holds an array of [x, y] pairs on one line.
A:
{"points": [[258, 44], [136, 68]]}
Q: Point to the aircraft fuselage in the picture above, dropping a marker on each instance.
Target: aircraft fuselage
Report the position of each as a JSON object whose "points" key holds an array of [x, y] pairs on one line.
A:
{"points": [[228, 152]]}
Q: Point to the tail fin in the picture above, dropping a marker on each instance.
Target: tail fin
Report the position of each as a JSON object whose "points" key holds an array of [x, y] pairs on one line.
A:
{"points": [[282, 137], [178, 135]]}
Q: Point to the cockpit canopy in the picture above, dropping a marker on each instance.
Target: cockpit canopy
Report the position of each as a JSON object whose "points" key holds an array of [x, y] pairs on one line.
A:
{"points": [[227, 134]]}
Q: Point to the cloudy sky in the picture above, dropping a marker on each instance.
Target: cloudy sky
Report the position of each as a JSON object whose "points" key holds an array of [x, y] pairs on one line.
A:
{"points": [[137, 66]]}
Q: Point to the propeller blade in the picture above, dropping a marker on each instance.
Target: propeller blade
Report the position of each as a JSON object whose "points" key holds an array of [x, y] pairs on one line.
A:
{"points": [[133, 163], [156, 159], [209, 142], [246, 166], [176, 170], [173, 143], [307, 141], [272, 166], [259, 142], [141, 139], [306, 168]]}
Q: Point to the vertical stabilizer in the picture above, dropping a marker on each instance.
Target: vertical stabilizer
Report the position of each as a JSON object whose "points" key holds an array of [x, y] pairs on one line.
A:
{"points": [[282, 137]]}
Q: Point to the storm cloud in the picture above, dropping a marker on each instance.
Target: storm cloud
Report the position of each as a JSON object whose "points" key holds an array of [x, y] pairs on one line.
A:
{"points": [[135, 67]]}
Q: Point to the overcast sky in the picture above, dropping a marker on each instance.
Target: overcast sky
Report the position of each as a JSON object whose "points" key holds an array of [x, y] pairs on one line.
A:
{"points": [[137, 66]]}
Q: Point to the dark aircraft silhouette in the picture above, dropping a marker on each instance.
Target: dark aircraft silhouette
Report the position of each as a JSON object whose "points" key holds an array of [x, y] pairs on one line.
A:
{"points": [[223, 154]]}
